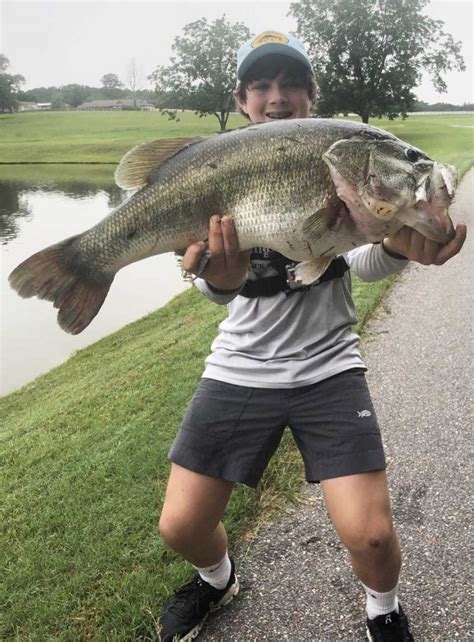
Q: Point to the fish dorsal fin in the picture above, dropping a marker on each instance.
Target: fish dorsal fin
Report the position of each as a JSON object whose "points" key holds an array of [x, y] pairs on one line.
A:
{"points": [[318, 224], [136, 166]]}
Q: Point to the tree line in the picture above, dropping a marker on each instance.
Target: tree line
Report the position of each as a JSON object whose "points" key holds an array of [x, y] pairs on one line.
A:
{"points": [[421, 106], [368, 57], [74, 95]]}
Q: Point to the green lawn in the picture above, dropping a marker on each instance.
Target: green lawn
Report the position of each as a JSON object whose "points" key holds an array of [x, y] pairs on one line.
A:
{"points": [[447, 138], [84, 446], [93, 136], [105, 136]]}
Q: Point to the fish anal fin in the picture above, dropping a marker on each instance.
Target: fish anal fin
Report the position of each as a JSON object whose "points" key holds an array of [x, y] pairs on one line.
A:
{"points": [[136, 166], [310, 271], [316, 225], [49, 275]]}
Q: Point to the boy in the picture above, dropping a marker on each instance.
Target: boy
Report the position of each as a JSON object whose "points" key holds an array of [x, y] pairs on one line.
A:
{"points": [[283, 357]]}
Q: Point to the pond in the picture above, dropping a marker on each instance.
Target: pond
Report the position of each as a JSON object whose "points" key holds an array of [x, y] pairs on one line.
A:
{"points": [[36, 212]]}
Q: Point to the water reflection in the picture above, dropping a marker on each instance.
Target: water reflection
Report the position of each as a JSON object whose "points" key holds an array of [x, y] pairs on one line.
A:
{"points": [[34, 215], [13, 206], [16, 196]]}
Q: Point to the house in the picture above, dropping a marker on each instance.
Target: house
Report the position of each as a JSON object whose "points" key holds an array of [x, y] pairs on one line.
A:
{"points": [[30, 106], [117, 104]]}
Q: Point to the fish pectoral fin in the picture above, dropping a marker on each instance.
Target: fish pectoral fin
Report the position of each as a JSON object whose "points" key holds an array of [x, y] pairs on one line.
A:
{"points": [[136, 166], [316, 225], [308, 272]]}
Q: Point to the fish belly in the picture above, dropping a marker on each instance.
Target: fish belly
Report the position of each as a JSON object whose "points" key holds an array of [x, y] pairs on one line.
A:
{"points": [[280, 231]]}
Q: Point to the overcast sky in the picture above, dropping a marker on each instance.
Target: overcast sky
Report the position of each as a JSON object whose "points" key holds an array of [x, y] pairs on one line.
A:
{"points": [[71, 41]]}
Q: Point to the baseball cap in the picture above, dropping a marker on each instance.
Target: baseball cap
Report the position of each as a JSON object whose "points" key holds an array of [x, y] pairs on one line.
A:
{"points": [[270, 42]]}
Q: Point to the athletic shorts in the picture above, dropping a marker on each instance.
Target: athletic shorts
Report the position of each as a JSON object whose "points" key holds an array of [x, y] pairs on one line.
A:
{"points": [[231, 432]]}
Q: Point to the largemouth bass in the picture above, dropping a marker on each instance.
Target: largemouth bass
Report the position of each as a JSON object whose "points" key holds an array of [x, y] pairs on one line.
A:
{"points": [[308, 188]]}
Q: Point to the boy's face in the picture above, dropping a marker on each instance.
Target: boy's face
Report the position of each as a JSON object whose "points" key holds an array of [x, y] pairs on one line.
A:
{"points": [[276, 99]]}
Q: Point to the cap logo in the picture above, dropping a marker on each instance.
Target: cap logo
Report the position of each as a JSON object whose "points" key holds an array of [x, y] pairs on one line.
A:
{"points": [[269, 36]]}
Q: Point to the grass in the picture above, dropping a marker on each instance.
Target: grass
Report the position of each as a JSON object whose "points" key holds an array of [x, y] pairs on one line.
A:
{"points": [[445, 138], [103, 137], [83, 449], [59, 175]]}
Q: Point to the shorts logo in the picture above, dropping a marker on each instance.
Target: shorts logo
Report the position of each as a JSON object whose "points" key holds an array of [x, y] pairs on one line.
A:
{"points": [[269, 36], [364, 413]]}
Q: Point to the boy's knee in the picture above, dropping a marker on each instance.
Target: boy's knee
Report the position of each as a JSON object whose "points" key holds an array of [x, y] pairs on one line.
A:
{"points": [[173, 528], [178, 529], [374, 539]]}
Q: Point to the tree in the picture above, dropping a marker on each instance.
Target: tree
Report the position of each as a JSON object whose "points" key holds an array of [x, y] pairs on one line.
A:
{"points": [[134, 79], [111, 86], [369, 54], [74, 94], [9, 86], [202, 73], [111, 81], [57, 101]]}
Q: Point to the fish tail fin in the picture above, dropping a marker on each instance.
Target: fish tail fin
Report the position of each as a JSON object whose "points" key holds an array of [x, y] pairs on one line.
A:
{"points": [[52, 275]]}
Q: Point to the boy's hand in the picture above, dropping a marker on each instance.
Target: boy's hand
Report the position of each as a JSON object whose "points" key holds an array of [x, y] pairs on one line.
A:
{"points": [[227, 265], [414, 246]]}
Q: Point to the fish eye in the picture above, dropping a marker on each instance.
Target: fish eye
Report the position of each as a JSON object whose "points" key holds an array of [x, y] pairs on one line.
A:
{"points": [[412, 154]]}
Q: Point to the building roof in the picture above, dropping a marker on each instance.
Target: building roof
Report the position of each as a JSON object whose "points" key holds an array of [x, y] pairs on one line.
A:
{"points": [[117, 103]]}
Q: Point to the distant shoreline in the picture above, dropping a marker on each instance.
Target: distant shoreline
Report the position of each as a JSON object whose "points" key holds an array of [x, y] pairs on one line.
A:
{"points": [[426, 113], [439, 113]]}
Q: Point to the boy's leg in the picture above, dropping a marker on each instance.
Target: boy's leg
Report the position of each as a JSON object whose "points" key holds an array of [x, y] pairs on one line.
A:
{"points": [[228, 432], [359, 507], [191, 525], [191, 517]]}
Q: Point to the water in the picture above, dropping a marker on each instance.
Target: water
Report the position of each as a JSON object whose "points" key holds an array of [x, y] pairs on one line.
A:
{"points": [[33, 216]]}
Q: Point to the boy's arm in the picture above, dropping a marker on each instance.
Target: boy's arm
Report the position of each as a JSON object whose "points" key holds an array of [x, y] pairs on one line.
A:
{"points": [[225, 271], [374, 262], [222, 297]]}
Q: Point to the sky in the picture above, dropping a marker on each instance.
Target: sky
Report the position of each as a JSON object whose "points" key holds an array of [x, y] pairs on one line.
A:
{"points": [[74, 41]]}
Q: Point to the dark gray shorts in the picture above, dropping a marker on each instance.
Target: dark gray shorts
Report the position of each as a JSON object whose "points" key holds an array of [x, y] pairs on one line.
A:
{"points": [[231, 432]]}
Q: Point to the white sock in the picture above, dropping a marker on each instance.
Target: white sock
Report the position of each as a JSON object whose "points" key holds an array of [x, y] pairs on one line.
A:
{"points": [[380, 603], [218, 574]]}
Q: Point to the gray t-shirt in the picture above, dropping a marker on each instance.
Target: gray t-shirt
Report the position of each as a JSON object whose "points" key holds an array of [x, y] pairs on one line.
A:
{"points": [[290, 341]]}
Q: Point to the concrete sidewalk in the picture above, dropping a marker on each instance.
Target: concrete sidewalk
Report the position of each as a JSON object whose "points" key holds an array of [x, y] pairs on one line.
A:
{"points": [[296, 582]]}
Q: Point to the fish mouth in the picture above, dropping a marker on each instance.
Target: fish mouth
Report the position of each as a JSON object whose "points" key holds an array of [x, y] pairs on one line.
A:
{"points": [[430, 213], [432, 222], [279, 115]]}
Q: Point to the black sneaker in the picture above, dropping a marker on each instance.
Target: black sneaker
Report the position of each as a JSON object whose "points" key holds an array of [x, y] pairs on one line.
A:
{"points": [[185, 614], [392, 627]]}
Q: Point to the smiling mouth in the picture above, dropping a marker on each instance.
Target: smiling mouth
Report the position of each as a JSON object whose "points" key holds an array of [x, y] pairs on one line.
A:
{"points": [[279, 115]]}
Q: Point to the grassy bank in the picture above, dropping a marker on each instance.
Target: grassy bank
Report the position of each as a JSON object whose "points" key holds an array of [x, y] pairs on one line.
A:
{"points": [[104, 137], [84, 452], [59, 175]]}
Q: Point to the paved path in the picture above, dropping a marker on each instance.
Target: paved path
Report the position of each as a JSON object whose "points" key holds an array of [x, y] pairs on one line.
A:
{"points": [[295, 580]]}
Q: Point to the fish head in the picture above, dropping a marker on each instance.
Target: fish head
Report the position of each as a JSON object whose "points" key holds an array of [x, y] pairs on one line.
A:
{"points": [[386, 183]]}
